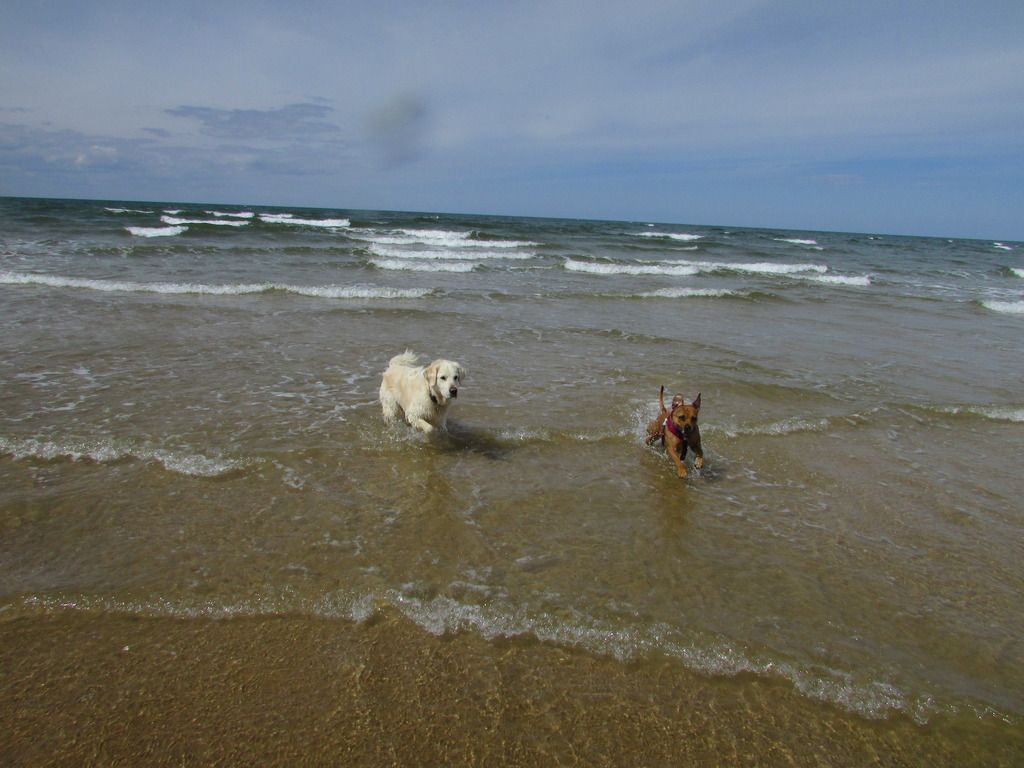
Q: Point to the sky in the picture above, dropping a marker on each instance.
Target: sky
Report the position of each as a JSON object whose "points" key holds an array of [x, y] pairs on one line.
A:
{"points": [[845, 115]]}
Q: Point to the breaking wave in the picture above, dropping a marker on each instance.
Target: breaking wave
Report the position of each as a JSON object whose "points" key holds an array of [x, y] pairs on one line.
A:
{"points": [[229, 289]]}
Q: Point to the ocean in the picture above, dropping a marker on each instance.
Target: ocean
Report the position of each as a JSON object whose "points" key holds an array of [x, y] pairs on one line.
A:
{"points": [[190, 441]]}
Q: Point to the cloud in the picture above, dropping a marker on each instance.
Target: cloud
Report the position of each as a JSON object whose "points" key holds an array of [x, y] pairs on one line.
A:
{"points": [[292, 122]]}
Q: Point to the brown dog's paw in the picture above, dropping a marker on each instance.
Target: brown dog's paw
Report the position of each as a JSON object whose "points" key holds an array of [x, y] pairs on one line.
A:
{"points": [[699, 462]]}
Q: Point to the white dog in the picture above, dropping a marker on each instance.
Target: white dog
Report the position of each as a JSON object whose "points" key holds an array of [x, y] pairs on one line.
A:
{"points": [[422, 393]]}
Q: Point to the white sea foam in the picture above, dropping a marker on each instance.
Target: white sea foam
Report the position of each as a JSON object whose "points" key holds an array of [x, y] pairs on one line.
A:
{"points": [[618, 268], [106, 451], [174, 221], [439, 238], [156, 231], [993, 412], [446, 254], [238, 215], [1017, 271], [424, 266], [498, 620], [1005, 307], [796, 241], [682, 236], [287, 218], [1002, 246], [685, 293], [759, 268], [125, 210], [852, 280], [229, 289]]}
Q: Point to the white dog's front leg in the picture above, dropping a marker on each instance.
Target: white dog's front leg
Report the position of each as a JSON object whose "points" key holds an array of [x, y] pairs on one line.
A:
{"points": [[423, 424]]}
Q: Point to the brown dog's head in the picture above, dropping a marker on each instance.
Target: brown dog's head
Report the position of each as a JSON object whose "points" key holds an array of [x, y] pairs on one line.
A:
{"points": [[684, 415]]}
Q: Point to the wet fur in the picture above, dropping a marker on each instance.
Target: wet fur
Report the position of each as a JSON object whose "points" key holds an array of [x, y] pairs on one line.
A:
{"points": [[421, 394]]}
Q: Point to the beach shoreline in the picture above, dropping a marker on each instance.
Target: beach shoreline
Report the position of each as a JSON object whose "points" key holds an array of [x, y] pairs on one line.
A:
{"points": [[105, 689]]}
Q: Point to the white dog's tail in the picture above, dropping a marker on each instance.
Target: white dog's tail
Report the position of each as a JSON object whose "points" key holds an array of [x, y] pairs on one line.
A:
{"points": [[408, 358]]}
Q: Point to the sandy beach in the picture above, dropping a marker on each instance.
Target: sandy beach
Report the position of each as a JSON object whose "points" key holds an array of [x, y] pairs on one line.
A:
{"points": [[108, 690]]}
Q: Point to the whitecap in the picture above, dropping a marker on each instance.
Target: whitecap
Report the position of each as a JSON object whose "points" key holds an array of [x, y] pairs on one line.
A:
{"points": [[440, 238], [686, 293], [229, 289], [289, 219], [452, 255], [759, 268], [796, 240], [175, 221], [422, 266], [238, 215], [125, 210], [1017, 271], [682, 236], [862, 281], [156, 231], [1005, 307], [1002, 246], [605, 268]]}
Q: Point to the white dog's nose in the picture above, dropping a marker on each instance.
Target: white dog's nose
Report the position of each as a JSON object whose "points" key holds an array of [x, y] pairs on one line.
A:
{"points": [[454, 392]]}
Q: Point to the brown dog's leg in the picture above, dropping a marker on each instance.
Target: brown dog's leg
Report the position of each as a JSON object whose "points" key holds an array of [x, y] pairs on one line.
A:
{"points": [[673, 446]]}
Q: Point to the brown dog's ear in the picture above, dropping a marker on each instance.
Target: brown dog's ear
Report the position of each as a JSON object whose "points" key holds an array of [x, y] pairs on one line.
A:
{"points": [[696, 401]]}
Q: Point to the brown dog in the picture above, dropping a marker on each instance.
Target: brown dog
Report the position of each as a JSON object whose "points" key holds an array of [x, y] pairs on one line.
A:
{"points": [[682, 432]]}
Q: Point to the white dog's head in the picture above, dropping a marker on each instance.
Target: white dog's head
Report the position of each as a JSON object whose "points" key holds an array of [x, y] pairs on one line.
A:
{"points": [[443, 379]]}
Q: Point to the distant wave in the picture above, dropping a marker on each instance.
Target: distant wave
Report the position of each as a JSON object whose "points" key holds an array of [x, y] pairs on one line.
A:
{"points": [[686, 293], [424, 266], [606, 268], [239, 215], [684, 268], [684, 237], [125, 210], [106, 451], [1005, 307], [289, 219], [229, 289], [1018, 272], [1002, 246], [156, 231], [440, 238], [451, 255], [860, 281], [174, 221], [799, 241], [760, 268]]}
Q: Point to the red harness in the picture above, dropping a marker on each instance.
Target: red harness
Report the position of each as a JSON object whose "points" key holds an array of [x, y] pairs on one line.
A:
{"points": [[671, 427]]}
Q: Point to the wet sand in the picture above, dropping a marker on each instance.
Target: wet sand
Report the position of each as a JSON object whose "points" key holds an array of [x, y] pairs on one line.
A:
{"points": [[86, 689]]}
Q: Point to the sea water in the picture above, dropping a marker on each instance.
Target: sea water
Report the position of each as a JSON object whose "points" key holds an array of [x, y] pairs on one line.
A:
{"points": [[189, 427]]}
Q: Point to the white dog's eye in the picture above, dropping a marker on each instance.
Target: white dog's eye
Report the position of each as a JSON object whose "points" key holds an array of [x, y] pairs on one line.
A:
{"points": [[444, 378]]}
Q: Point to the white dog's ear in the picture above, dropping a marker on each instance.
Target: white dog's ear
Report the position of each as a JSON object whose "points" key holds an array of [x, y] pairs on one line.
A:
{"points": [[462, 373], [430, 373]]}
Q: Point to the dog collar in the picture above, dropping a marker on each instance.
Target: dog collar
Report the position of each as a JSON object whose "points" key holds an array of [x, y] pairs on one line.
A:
{"points": [[674, 429]]}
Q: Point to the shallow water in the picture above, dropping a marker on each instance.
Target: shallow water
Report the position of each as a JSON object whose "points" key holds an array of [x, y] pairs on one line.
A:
{"points": [[189, 428]]}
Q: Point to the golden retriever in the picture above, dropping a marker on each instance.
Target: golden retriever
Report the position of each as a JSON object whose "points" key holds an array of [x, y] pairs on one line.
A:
{"points": [[419, 393]]}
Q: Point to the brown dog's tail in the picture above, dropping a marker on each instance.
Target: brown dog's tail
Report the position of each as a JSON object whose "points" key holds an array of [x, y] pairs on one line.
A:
{"points": [[661, 397]]}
